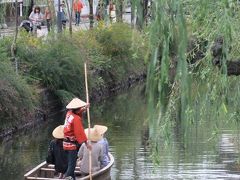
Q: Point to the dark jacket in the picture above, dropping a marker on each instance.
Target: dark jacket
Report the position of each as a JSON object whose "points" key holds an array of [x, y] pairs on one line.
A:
{"points": [[57, 156]]}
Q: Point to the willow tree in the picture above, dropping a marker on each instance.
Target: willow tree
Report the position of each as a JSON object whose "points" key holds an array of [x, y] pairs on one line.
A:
{"points": [[179, 90]]}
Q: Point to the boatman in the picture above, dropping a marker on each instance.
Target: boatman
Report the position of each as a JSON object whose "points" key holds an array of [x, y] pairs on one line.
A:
{"points": [[74, 134]]}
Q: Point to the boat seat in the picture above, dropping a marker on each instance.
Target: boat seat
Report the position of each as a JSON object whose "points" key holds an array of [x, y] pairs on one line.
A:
{"points": [[53, 170], [52, 166], [41, 178]]}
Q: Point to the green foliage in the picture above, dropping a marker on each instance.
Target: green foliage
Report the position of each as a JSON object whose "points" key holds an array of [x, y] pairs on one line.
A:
{"points": [[113, 54], [16, 97], [57, 61], [64, 96], [3, 12], [124, 48], [57, 64], [196, 92], [115, 40]]}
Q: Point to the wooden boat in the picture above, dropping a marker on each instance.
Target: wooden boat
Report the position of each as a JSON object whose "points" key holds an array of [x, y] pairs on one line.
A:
{"points": [[45, 171]]}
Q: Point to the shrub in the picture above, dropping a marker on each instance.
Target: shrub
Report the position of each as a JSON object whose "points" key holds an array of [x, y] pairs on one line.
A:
{"points": [[125, 56], [57, 62], [16, 97]]}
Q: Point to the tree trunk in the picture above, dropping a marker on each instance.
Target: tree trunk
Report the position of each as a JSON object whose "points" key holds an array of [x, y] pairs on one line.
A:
{"points": [[119, 10], [91, 17], [59, 21], [70, 10], [30, 9], [142, 11], [14, 43], [53, 12], [133, 7], [145, 10]]}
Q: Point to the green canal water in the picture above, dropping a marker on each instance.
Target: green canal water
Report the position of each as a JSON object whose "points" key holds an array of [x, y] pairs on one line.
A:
{"points": [[200, 154]]}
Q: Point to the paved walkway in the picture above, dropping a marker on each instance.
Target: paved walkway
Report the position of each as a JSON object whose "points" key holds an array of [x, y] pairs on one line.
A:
{"points": [[84, 25]]}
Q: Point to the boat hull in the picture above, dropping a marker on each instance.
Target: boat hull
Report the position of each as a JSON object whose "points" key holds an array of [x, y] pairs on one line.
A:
{"points": [[45, 171]]}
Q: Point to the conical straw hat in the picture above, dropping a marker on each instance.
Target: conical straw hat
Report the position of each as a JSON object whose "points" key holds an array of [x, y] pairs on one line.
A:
{"points": [[76, 103], [58, 132], [101, 129], [94, 134]]}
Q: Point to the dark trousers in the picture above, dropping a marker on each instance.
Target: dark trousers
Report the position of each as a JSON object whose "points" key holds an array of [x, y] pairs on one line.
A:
{"points": [[64, 22], [77, 18], [72, 159], [48, 24]]}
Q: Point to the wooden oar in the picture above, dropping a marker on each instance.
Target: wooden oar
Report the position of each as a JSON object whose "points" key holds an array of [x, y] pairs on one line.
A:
{"points": [[89, 125]]}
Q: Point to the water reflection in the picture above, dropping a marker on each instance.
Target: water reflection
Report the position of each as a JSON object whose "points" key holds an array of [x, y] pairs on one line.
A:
{"points": [[193, 152]]}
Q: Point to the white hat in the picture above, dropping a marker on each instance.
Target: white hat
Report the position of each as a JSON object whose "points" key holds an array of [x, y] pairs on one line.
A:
{"points": [[58, 132], [100, 129], [94, 134], [76, 103]]}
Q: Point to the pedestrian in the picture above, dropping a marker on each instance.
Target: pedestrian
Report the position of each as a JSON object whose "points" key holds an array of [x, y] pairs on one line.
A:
{"points": [[100, 11], [56, 154], [74, 135], [104, 143], [112, 11], [36, 18], [48, 17], [96, 153], [77, 7], [63, 11]]}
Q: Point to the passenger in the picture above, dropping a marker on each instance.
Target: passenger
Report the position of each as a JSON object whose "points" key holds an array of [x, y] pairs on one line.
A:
{"points": [[104, 142], [96, 155], [56, 154], [74, 134], [36, 18]]}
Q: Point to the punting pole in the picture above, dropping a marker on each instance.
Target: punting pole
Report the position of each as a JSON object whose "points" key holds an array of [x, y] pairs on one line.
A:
{"points": [[89, 124]]}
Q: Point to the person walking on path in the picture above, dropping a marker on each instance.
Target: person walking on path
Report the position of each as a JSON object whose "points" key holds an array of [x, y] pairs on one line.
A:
{"points": [[48, 17], [77, 7], [64, 14], [74, 135], [56, 154]]}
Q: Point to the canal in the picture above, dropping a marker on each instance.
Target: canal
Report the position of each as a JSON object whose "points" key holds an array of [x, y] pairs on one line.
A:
{"points": [[203, 153]]}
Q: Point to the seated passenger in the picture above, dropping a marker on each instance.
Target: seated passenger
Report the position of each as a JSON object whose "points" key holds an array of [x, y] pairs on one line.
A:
{"points": [[104, 142], [56, 154], [97, 153]]}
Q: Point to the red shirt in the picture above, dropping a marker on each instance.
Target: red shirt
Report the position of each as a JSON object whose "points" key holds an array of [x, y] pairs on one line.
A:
{"points": [[77, 6], [73, 130]]}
